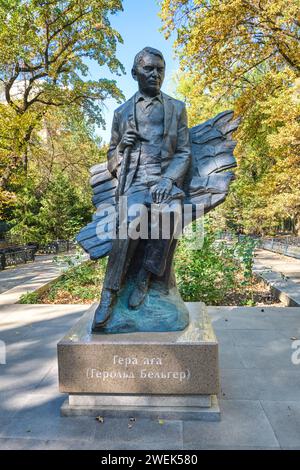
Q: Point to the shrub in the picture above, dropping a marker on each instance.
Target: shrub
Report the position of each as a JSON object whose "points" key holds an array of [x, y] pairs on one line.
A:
{"points": [[210, 273]]}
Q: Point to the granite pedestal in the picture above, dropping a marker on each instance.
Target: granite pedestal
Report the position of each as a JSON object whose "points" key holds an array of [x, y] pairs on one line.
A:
{"points": [[161, 375]]}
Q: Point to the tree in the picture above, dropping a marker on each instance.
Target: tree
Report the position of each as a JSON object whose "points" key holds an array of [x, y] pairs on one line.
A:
{"points": [[54, 197], [223, 40], [44, 49], [62, 211], [245, 55], [57, 214], [68, 144]]}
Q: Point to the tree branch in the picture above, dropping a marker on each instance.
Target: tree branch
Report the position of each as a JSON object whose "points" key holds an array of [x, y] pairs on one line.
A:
{"points": [[9, 85], [27, 103]]}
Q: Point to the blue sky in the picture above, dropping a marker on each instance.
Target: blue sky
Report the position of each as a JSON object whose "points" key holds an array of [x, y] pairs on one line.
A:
{"points": [[139, 26]]}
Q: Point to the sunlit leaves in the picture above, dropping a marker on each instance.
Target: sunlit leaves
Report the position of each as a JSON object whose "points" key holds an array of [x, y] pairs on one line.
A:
{"points": [[45, 46], [225, 39], [245, 55]]}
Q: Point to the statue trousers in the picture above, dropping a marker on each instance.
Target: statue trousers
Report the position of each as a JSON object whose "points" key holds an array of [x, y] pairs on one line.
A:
{"points": [[157, 244]]}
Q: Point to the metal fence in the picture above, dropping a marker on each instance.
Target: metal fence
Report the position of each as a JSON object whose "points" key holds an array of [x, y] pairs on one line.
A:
{"points": [[56, 247], [283, 240], [14, 255], [17, 255], [287, 245]]}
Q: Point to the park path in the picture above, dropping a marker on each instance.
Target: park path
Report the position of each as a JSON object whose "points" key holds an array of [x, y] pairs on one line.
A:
{"points": [[289, 267], [16, 281], [14, 276], [282, 273], [260, 384], [259, 398]]}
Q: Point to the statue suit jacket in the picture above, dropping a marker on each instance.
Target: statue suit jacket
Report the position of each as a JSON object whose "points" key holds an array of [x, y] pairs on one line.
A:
{"points": [[175, 149]]}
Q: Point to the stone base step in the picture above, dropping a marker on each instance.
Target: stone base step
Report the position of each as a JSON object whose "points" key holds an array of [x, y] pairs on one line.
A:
{"points": [[173, 411]]}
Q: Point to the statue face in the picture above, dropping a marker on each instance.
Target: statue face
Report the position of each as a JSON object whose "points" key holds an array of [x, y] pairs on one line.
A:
{"points": [[150, 74]]}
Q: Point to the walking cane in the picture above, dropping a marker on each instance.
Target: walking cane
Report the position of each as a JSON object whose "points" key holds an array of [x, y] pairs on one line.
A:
{"points": [[122, 178], [121, 246], [121, 188]]}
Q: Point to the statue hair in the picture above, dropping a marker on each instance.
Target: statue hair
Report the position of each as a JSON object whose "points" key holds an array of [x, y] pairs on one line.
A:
{"points": [[147, 50]]}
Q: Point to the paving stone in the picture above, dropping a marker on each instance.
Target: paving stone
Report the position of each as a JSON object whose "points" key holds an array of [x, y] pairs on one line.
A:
{"points": [[10, 404], [229, 358], [243, 424], [255, 358], [290, 447], [40, 418], [288, 320], [24, 377], [256, 338], [15, 281], [143, 434], [224, 337], [49, 384], [232, 447], [280, 312], [13, 276], [113, 445], [33, 444], [285, 420], [237, 321], [260, 384], [282, 271], [277, 356], [293, 332]]}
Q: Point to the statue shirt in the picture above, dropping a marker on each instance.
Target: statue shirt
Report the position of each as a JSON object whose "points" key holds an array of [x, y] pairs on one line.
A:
{"points": [[150, 125]]}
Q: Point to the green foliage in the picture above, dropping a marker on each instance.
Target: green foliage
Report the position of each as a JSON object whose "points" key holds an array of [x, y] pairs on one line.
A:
{"points": [[54, 198], [66, 262], [58, 213], [62, 209], [45, 44], [245, 55], [222, 40], [81, 281], [67, 143], [244, 250], [210, 273], [44, 50], [29, 298]]}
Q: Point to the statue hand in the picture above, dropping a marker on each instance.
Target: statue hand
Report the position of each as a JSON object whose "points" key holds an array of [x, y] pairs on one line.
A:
{"points": [[129, 139], [161, 190]]}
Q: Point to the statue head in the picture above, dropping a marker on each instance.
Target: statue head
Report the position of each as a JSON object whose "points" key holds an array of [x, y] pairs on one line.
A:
{"points": [[149, 70]]}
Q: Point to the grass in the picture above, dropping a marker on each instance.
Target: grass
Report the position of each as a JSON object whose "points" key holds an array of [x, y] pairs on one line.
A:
{"points": [[79, 284]]}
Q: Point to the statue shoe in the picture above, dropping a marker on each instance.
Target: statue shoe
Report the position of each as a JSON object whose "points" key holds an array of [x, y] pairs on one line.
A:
{"points": [[140, 291], [104, 309]]}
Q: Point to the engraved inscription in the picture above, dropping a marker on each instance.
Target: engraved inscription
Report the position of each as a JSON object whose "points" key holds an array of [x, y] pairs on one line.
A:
{"points": [[140, 368]]}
